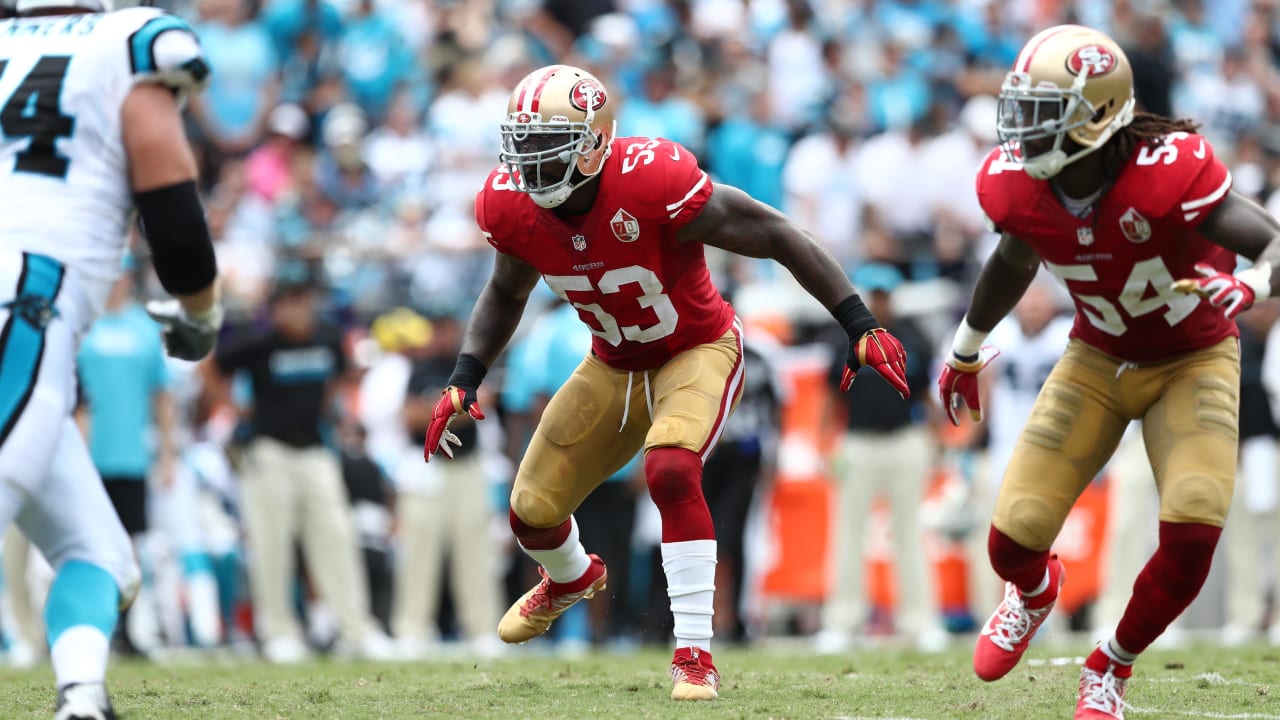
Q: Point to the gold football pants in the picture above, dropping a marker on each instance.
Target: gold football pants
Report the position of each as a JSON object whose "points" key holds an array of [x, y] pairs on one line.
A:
{"points": [[1188, 405], [601, 417]]}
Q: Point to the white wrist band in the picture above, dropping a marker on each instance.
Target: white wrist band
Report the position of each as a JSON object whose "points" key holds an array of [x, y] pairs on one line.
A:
{"points": [[968, 340], [1258, 278]]}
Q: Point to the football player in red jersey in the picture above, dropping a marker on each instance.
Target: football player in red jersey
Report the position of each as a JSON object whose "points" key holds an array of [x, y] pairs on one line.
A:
{"points": [[1117, 205], [616, 226]]}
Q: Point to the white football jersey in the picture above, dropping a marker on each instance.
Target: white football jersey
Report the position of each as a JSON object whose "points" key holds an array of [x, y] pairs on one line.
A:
{"points": [[1021, 370], [64, 179]]}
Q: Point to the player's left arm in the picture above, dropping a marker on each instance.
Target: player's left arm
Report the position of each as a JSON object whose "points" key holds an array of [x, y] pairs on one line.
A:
{"points": [[731, 220], [1230, 220], [1245, 228]]}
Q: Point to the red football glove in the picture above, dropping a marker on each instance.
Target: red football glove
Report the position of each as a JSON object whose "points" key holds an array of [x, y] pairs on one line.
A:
{"points": [[454, 401], [880, 350], [1223, 290], [958, 384]]}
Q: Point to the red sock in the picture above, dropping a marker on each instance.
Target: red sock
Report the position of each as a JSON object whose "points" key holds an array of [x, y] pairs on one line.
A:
{"points": [[1098, 661], [1023, 567], [1167, 585], [674, 476], [533, 538]]}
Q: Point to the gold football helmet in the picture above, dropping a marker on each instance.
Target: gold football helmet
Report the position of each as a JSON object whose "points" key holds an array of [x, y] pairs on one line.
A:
{"points": [[559, 119], [1068, 82]]}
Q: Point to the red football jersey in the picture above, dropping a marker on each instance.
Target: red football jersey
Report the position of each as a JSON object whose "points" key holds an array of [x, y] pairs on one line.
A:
{"points": [[1120, 260], [645, 296]]}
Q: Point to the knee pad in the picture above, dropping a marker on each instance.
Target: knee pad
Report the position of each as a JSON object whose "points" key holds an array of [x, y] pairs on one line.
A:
{"points": [[534, 509], [1197, 498], [674, 475], [1031, 522]]}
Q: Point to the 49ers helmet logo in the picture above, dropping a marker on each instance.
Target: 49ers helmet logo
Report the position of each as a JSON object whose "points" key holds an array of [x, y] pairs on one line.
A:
{"points": [[1092, 61], [587, 94]]}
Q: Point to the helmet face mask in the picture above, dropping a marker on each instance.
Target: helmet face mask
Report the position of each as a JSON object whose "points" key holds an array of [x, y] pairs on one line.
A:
{"points": [[541, 157], [557, 133], [1070, 90]]}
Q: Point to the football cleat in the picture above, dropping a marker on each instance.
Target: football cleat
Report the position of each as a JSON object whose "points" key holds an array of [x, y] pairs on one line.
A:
{"points": [[84, 701], [1102, 685], [534, 612], [693, 675], [1008, 632]]}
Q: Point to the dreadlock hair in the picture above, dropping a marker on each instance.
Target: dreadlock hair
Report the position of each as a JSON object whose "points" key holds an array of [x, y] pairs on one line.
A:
{"points": [[1146, 129]]}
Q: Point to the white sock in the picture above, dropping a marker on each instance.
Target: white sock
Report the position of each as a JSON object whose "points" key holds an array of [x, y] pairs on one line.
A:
{"points": [[202, 607], [690, 567], [1112, 649], [565, 563], [79, 655], [1044, 585]]}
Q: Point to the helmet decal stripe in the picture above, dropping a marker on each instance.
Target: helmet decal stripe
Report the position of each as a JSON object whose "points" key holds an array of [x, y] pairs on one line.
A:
{"points": [[536, 95], [1023, 63], [526, 101]]}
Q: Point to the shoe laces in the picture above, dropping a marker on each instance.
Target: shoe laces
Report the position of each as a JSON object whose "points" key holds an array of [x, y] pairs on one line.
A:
{"points": [[1013, 619], [688, 668], [542, 597], [1103, 692]]}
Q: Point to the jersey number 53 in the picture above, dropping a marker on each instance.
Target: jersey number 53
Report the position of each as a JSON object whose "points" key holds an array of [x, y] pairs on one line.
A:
{"points": [[611, 282]]}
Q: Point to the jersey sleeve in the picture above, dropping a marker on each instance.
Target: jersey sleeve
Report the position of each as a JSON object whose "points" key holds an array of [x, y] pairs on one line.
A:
{"points": [[1198, 179], [163, 49], [686, 188], [498, 214], [994, 194]]}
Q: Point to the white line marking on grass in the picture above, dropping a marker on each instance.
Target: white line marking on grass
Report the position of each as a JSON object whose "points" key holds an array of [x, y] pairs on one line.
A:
{"points": [[1055, 661], [868, 717], [1194, 714]]}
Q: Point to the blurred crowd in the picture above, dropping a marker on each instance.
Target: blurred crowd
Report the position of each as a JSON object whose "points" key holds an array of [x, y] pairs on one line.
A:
{"points": [[342, 143]]}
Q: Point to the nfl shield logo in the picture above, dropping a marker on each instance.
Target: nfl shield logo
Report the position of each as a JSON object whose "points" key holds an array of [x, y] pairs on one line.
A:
{"points": [[1084, 235], [1134, 226], [624, 225], [579, 242]]}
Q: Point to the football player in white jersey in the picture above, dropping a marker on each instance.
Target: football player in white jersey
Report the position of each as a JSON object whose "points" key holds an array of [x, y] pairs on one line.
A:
{"points": [[90, 129]]}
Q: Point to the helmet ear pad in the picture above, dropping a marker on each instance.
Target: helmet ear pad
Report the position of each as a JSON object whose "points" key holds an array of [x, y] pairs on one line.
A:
{"points": [[592, 160]]}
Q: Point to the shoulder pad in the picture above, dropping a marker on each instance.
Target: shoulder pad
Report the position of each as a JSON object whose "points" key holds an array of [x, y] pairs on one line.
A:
{"points": [[1001, 185], [1182, 178], [497, 208], [663, 177], [164, 49]]}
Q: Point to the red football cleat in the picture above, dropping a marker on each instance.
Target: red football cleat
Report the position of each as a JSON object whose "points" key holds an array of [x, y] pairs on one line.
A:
{"points": [[1014, 623], [693, 675], [1102, 685]]}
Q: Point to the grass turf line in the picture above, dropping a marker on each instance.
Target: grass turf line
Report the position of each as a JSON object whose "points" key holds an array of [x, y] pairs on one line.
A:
{"points": [[877, 684]]}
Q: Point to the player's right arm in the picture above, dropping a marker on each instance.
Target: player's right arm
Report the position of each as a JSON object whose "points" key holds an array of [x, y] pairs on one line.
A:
{"points": [[166, 63], [1004, 279], [495, 317]]}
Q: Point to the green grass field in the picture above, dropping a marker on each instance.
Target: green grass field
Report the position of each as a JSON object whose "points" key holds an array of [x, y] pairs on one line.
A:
{"points": [[1199, 682]]}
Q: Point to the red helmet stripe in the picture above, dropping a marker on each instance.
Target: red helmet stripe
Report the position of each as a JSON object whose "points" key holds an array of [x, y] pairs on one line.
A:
{"points": [[542, 82], [1023, 63]]}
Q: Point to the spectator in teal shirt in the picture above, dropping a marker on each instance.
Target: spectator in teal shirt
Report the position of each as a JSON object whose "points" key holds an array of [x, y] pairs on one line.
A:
{"points": [[125, 407], [374, 58]]}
